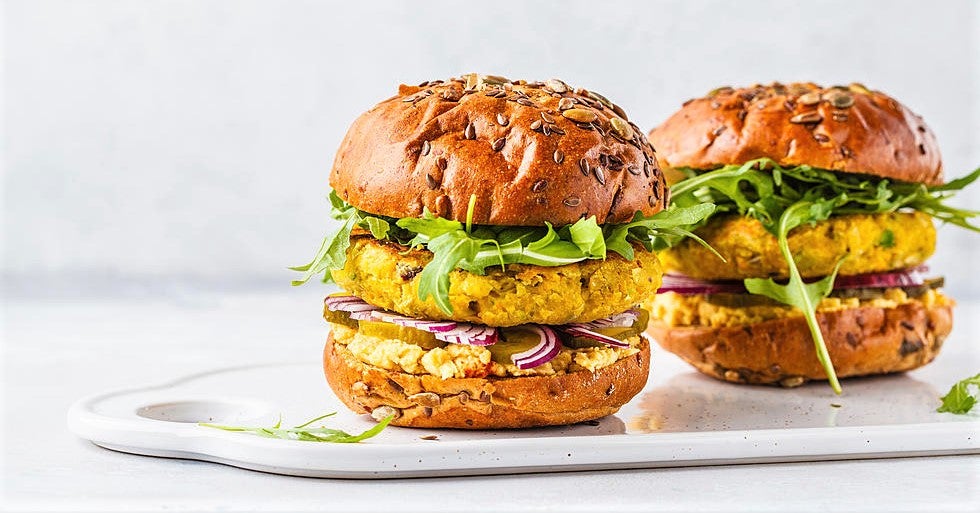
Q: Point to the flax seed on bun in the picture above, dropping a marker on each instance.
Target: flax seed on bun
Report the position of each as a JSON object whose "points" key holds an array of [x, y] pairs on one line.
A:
{"points": [[424, 400], [849, 129], [533, 152]]}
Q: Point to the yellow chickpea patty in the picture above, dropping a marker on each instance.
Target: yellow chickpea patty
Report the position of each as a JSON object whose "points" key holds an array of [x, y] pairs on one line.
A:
{"points": [[387, 275], [871, 243], [680, 310], [465, 361]]}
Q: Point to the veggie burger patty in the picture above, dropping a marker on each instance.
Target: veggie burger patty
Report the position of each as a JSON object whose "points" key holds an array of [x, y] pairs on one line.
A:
{"points": [[388, 275], [867, 243]]}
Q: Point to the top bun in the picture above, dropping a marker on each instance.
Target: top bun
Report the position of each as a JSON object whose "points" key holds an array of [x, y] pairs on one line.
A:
{"points": [[531, 153], [849, 129]]}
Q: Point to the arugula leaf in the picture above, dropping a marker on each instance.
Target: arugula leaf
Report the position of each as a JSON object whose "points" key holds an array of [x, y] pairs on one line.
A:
{"points": [[428, 227], [304, 433], [958, 184], [661, 230], [587, 235], [378, 227], [887, 239], [332, 253], [448, 250], [805, 296], [762, 189], [959, 400], [477, 248]]}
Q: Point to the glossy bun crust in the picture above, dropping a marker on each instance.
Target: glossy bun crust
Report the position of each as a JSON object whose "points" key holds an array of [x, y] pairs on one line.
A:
{"points": [[530, 152], [861, 341], [484, 403], [850, 129]]}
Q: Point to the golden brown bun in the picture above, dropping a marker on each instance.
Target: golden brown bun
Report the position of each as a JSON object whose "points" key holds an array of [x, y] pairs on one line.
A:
{"points": [[513, 145], [861, 341], [848, 129], [484, 403]]}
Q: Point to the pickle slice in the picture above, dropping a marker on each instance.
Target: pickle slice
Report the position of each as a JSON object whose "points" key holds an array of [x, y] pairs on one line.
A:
{"points": [[617, 333], [739, 300], [387, 330], [642, 319], [620, 333], [342, 318], [511, 341], [581, 342]]}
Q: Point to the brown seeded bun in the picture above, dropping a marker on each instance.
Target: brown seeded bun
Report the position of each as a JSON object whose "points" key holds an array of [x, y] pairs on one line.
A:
{"points": [[861, 341], [849, 129], [513, 145], [483, 403]]}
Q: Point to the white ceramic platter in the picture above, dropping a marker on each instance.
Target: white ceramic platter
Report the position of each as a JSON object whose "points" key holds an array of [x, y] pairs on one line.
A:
{"points": [[680, 419]]}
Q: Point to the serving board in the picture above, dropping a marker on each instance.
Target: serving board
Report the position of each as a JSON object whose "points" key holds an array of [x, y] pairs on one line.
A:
{"points": [[681, 418]]}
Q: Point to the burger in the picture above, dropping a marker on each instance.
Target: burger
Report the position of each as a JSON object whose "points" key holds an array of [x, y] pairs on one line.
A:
{"points": [[826, 201], [496, 238]]}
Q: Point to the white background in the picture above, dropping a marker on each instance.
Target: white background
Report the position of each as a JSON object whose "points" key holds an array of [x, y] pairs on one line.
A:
{"points": [[165, 147], [165, 161]]}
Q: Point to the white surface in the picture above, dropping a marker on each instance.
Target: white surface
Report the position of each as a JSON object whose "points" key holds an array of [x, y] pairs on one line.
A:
{"points": [[154, 143], [56, 353], [883, 417]]}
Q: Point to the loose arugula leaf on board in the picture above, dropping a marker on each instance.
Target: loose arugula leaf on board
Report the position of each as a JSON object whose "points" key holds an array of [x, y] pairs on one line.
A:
{"points": [[959, 400], [305, 433]]}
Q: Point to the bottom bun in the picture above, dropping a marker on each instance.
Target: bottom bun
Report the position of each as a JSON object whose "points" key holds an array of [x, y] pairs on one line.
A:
{"points": [[861, 341], [427, 401]]}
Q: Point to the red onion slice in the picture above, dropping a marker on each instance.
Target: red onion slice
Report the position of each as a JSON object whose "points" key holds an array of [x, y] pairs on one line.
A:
{"points": [[542, 353], [620, 320], [335, 303], [470, 334], [348, 304], [446, 331], [410, 322], [912, 277], [686, 285], [578, 330], [361, 316], [479, 335]]}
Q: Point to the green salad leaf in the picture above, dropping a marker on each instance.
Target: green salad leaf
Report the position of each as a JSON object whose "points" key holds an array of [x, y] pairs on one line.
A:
{"points": [[887, 239], [305, 433], [959, 400], [763, 189], [783, 198], [333, 250], [475, 248], [802, 295]]}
